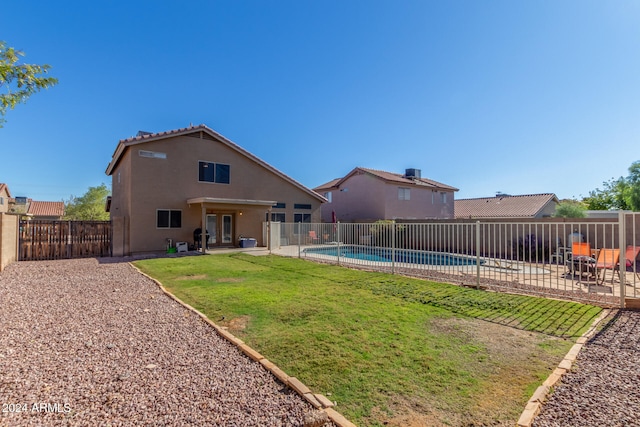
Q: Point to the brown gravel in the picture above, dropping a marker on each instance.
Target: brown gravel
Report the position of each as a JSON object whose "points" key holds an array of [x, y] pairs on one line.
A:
{"points": [[603, 387], [93, 342]]}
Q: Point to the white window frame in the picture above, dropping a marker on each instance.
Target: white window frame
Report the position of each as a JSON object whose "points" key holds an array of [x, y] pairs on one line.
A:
{"points": [[404, 193]]}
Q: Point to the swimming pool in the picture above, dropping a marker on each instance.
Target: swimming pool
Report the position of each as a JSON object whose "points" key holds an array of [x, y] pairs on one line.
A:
{"points": [[370, 253]]}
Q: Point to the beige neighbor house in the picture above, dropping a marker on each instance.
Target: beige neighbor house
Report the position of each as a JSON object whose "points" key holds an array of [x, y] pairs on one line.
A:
{"points": [[166, 185], [506, 206], [45, 210], [368, 195], [5, 195]]}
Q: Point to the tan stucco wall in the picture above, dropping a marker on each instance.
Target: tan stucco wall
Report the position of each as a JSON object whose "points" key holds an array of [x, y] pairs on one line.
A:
{"points": [[147, 184], [548, 210], [4, 197], [9, 225]]}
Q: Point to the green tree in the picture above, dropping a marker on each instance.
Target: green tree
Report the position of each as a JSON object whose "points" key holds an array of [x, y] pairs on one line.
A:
{"points": [[90, 206], [570, 209], [19, 81], [633, 186], [612, 196]]}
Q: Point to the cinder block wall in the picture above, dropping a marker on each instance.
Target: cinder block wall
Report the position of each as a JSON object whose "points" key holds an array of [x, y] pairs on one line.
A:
{"points": [[8, 239]]}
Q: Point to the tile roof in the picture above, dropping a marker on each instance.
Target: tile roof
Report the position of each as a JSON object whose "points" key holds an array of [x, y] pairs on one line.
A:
{"points": [[389, 177], [327, 186], [523, 206], [149, 136], [46, 209]]}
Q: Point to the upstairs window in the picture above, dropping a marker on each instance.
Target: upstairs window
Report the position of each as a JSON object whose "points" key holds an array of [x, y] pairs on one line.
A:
{"points": [[404, 193], [443, 198], [329, 196], [219, 173], [301, 206]]}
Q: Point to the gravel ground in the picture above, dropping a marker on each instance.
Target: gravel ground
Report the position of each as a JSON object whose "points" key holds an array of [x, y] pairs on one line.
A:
{"points": [[603, 387], [93, 342]]}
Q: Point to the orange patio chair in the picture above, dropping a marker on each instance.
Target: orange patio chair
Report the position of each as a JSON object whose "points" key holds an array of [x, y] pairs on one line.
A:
{"points": [[313, 237], [630, 255], [608, 259], [581, 260]]}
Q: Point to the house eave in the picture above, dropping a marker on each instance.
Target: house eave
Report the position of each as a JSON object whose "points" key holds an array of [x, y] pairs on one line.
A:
{"points": [[222, 201]]}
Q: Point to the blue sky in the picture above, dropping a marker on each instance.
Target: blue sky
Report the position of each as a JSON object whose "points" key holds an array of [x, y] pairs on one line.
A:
{"points": [[519, 97]]}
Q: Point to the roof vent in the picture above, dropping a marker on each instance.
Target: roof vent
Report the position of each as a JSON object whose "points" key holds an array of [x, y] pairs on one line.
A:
{"points": [[143, 133], [501, 194], [413, 173]]}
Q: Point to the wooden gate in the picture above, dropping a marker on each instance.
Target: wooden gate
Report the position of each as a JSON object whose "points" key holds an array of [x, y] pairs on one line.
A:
{"points": [[44, 240]]}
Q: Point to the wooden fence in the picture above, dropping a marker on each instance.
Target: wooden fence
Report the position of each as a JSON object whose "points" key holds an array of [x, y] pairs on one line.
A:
{"points": [[46, 240]]}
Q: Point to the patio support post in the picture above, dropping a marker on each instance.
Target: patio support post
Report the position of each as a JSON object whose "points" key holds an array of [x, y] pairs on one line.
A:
{"points": [[622, 266], [203, 230], [478, 254]]}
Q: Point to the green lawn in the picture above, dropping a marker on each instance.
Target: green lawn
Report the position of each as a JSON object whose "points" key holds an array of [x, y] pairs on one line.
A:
{"points": [[385, 348]]}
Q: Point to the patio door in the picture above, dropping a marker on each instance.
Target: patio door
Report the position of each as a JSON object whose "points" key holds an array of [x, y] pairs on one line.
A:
{"points": [[222, 223], [227, 229]]}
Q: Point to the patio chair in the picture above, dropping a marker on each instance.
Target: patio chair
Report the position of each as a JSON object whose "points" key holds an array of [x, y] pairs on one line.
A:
{"points": [[581, 260], [608, 259], [313, 237], [630, 255]]}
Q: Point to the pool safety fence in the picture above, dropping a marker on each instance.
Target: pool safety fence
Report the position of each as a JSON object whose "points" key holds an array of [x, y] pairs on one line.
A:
{"points": [[535, 257]]}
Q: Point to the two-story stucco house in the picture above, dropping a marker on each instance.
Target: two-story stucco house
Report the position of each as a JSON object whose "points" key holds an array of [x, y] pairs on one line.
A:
{"points": [[368, 194], [166, 185]]}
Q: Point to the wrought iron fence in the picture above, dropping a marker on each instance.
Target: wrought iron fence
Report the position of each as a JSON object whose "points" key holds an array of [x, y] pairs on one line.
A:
{"points": [[537, 257]]}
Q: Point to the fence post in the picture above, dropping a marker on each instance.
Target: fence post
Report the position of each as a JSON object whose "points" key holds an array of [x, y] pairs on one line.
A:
{"points": [[622, 266], [338, 238], [299, 234], [478, 254], [393, 247]]}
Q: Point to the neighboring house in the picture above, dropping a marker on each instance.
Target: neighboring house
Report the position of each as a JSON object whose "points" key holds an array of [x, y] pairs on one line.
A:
{"points": [[368, 195], [5, 195], [506, 206], [166, 185], [45, 210]]}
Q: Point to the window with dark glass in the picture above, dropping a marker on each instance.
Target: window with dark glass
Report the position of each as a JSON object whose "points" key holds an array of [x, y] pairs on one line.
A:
{"points": [[301, 217], [277, 216], [214, 172], [166, 218], [301, 206], [280, 205]]}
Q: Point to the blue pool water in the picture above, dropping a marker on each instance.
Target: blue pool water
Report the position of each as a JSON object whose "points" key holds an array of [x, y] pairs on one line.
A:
{"points": [[369, 253]]}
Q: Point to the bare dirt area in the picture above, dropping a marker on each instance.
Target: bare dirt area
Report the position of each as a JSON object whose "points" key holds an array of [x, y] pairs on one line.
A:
{"points": [[503, 354], [93, 342]]}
